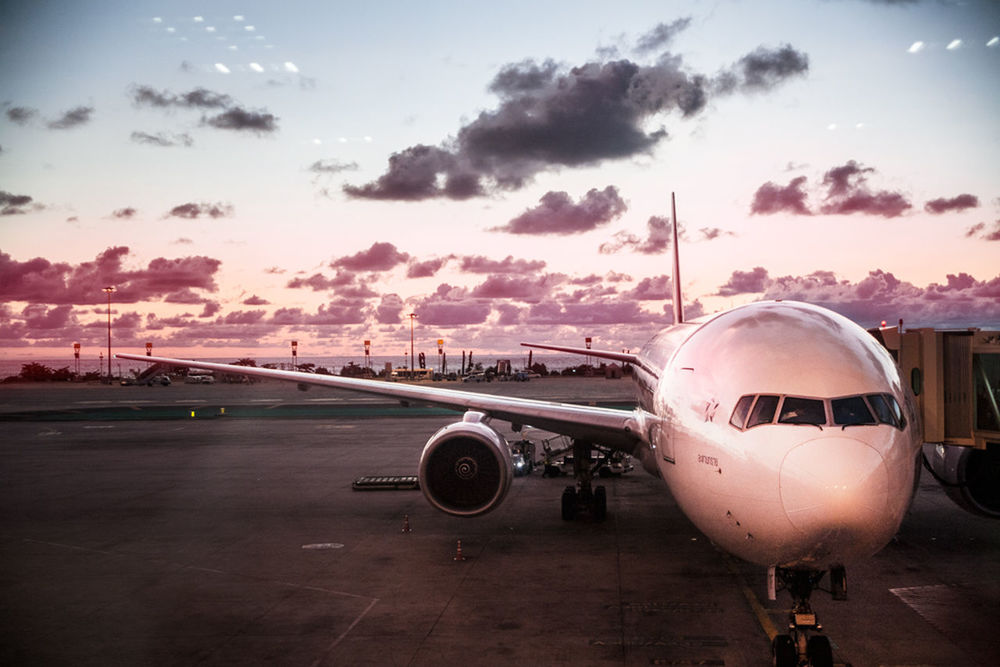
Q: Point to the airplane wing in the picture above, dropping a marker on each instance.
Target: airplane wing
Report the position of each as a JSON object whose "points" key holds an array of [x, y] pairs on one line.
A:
{"points": [[619, 429]]}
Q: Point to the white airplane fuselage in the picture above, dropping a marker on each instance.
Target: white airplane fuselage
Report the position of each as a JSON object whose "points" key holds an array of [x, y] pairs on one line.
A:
{"points": [[825, 491]]}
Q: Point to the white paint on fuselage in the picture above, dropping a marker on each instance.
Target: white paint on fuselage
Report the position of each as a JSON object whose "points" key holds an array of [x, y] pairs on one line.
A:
{"points": [[779, 494]]}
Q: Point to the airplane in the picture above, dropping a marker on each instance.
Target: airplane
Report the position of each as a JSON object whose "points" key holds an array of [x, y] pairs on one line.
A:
{"points": [[783, 430]]}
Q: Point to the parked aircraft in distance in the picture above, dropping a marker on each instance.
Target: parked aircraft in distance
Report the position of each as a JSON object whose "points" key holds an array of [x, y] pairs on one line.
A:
{"points": [[783, 430]]}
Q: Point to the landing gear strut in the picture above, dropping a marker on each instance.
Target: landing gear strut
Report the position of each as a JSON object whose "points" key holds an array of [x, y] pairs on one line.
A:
{"points": [[588, 498], [802, 646]]}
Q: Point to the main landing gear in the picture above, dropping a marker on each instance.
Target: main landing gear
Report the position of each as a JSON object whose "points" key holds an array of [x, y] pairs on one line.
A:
{"points": [[802, 646], [588, 498]]}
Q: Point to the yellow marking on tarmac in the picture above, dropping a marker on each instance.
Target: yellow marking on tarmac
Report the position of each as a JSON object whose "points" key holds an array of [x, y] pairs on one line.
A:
{"points": [[758, 609]]}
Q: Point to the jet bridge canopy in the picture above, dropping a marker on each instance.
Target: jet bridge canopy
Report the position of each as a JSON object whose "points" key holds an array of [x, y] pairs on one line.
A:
{"points": [[955, 376]]}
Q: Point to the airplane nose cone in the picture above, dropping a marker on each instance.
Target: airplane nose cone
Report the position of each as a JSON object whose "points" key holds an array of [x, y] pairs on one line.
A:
{"points": [[836, 487]]}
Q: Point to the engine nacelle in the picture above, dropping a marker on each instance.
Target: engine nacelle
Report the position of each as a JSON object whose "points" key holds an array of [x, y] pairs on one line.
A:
{"points": [[970, 477], [466, 467]]}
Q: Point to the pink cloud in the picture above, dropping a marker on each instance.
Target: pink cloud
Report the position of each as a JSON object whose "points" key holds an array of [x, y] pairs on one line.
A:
{"points": [[381, 256], [557, 214]]}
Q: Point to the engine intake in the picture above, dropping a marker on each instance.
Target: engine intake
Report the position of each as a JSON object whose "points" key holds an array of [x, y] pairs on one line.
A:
{"points": [[466, 467], [970, 477]]}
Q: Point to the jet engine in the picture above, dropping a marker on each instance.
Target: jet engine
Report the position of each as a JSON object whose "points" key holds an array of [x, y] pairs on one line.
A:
{"points": [[466, 467], [970, 477]]}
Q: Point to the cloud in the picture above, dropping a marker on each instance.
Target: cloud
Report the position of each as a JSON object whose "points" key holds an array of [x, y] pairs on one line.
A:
{"points": [[513, 286], [21, 115], [557, 214], [658, 239], [317, 282], [255, 301], [11, 204], [381, 256], [957, 203], [448, 307], [425, 269], [192, 211], [126, 213], [40, 281], [332, 166], [661, 35], [198, 98], [549, 118], [772, 198], [165, 139], [847, 192], [981, 230], [389, 310], [72, 118], [240, 120], [745, 282], [480, 264]]}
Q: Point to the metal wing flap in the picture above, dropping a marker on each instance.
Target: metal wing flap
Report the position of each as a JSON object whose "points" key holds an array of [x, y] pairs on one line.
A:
{"points": [[615, 428]]}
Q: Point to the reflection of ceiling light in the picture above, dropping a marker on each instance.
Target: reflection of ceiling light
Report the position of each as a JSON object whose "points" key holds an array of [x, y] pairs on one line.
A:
{"points": [[238, 17], [954, 44], [256, 67], [916, 47], [198, 19], [993, 43], [290, 66], [221, 68], [249, 28]]}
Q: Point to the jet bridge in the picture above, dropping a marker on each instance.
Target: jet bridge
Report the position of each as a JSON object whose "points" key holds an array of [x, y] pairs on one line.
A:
{"points": [[955, 376]]}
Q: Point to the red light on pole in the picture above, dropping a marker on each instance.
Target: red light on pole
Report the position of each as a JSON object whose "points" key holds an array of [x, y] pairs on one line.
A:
{"points": [[411, 316], [295, 354], [149, 349], [108, 290]]}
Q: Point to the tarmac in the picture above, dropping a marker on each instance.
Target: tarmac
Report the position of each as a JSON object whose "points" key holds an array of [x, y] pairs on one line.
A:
{"points": [[217, 525]]}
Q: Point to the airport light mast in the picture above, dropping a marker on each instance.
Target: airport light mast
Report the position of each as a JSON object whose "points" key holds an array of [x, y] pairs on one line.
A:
{"points": [[411, 316], [108, 290]]}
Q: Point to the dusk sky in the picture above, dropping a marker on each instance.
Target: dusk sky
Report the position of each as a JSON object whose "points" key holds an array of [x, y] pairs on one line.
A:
{"points": [[248, 173]]}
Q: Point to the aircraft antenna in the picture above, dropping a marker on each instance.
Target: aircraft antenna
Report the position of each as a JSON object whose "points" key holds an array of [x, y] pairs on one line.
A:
{"points": [[678, 302]]}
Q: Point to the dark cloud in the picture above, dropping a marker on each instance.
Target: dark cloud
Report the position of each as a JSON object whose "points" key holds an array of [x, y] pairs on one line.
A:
{"points": [[425, 269], [549, 118], [40, 281], [165, 139], [21, 115], [984, 232], [124, 213], [656, 288], [848, 193], [11, 204], [381, 256], [389, 310], [957, 203], [198, 98], [332, 166], [480, 264], [513, 286], [745, 282], [240, 120], [609, 312], [660, 36], [72, 118], [658, 239], [317, 282], [772, 198], [210, 309], [255, 301], [557, 214], [39, 317], [192, 211]]}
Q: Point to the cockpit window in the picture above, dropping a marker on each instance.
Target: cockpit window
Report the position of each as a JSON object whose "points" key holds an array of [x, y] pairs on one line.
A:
{"points": [[802, 411], [882, 409], [852, 411], [763, 411], [742, 409]]}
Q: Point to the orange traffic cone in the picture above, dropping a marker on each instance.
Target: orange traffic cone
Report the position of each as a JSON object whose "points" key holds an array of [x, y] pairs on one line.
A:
{"points": [[406, 523], [458, 551]]}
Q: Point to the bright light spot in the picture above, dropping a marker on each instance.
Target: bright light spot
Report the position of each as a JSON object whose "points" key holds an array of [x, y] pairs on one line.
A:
{"points": [[916, 47], [993, 43], [859, 126], [256, 67], [209, 28], [238, 17], [831, 126], [199, 19], [157, 19], [171, 30], [290, 67], [233, 47], [318, 142], [368, 139], [954, 44], [249, 28], [221, 68], [342, 140]]}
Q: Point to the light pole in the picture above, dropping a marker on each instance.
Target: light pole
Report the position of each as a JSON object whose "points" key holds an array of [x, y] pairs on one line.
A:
{"points": [[411, 316], [109, 289]]}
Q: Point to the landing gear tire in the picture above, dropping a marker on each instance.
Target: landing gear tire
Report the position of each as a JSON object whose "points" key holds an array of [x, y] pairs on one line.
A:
{"points": [[783, 652], [600, 503], [819, 652], [569, 504]]}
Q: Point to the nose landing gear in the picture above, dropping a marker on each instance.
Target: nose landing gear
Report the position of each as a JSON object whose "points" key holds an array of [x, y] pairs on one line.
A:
{"points": [[802, 646]]}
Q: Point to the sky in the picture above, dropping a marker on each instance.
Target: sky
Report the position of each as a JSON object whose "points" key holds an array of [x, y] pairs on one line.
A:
{"points": [[247, 174]]}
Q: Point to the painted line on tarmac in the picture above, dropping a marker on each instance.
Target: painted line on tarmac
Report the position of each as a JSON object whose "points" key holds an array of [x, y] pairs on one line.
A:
{"points": [[758, 609]]}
